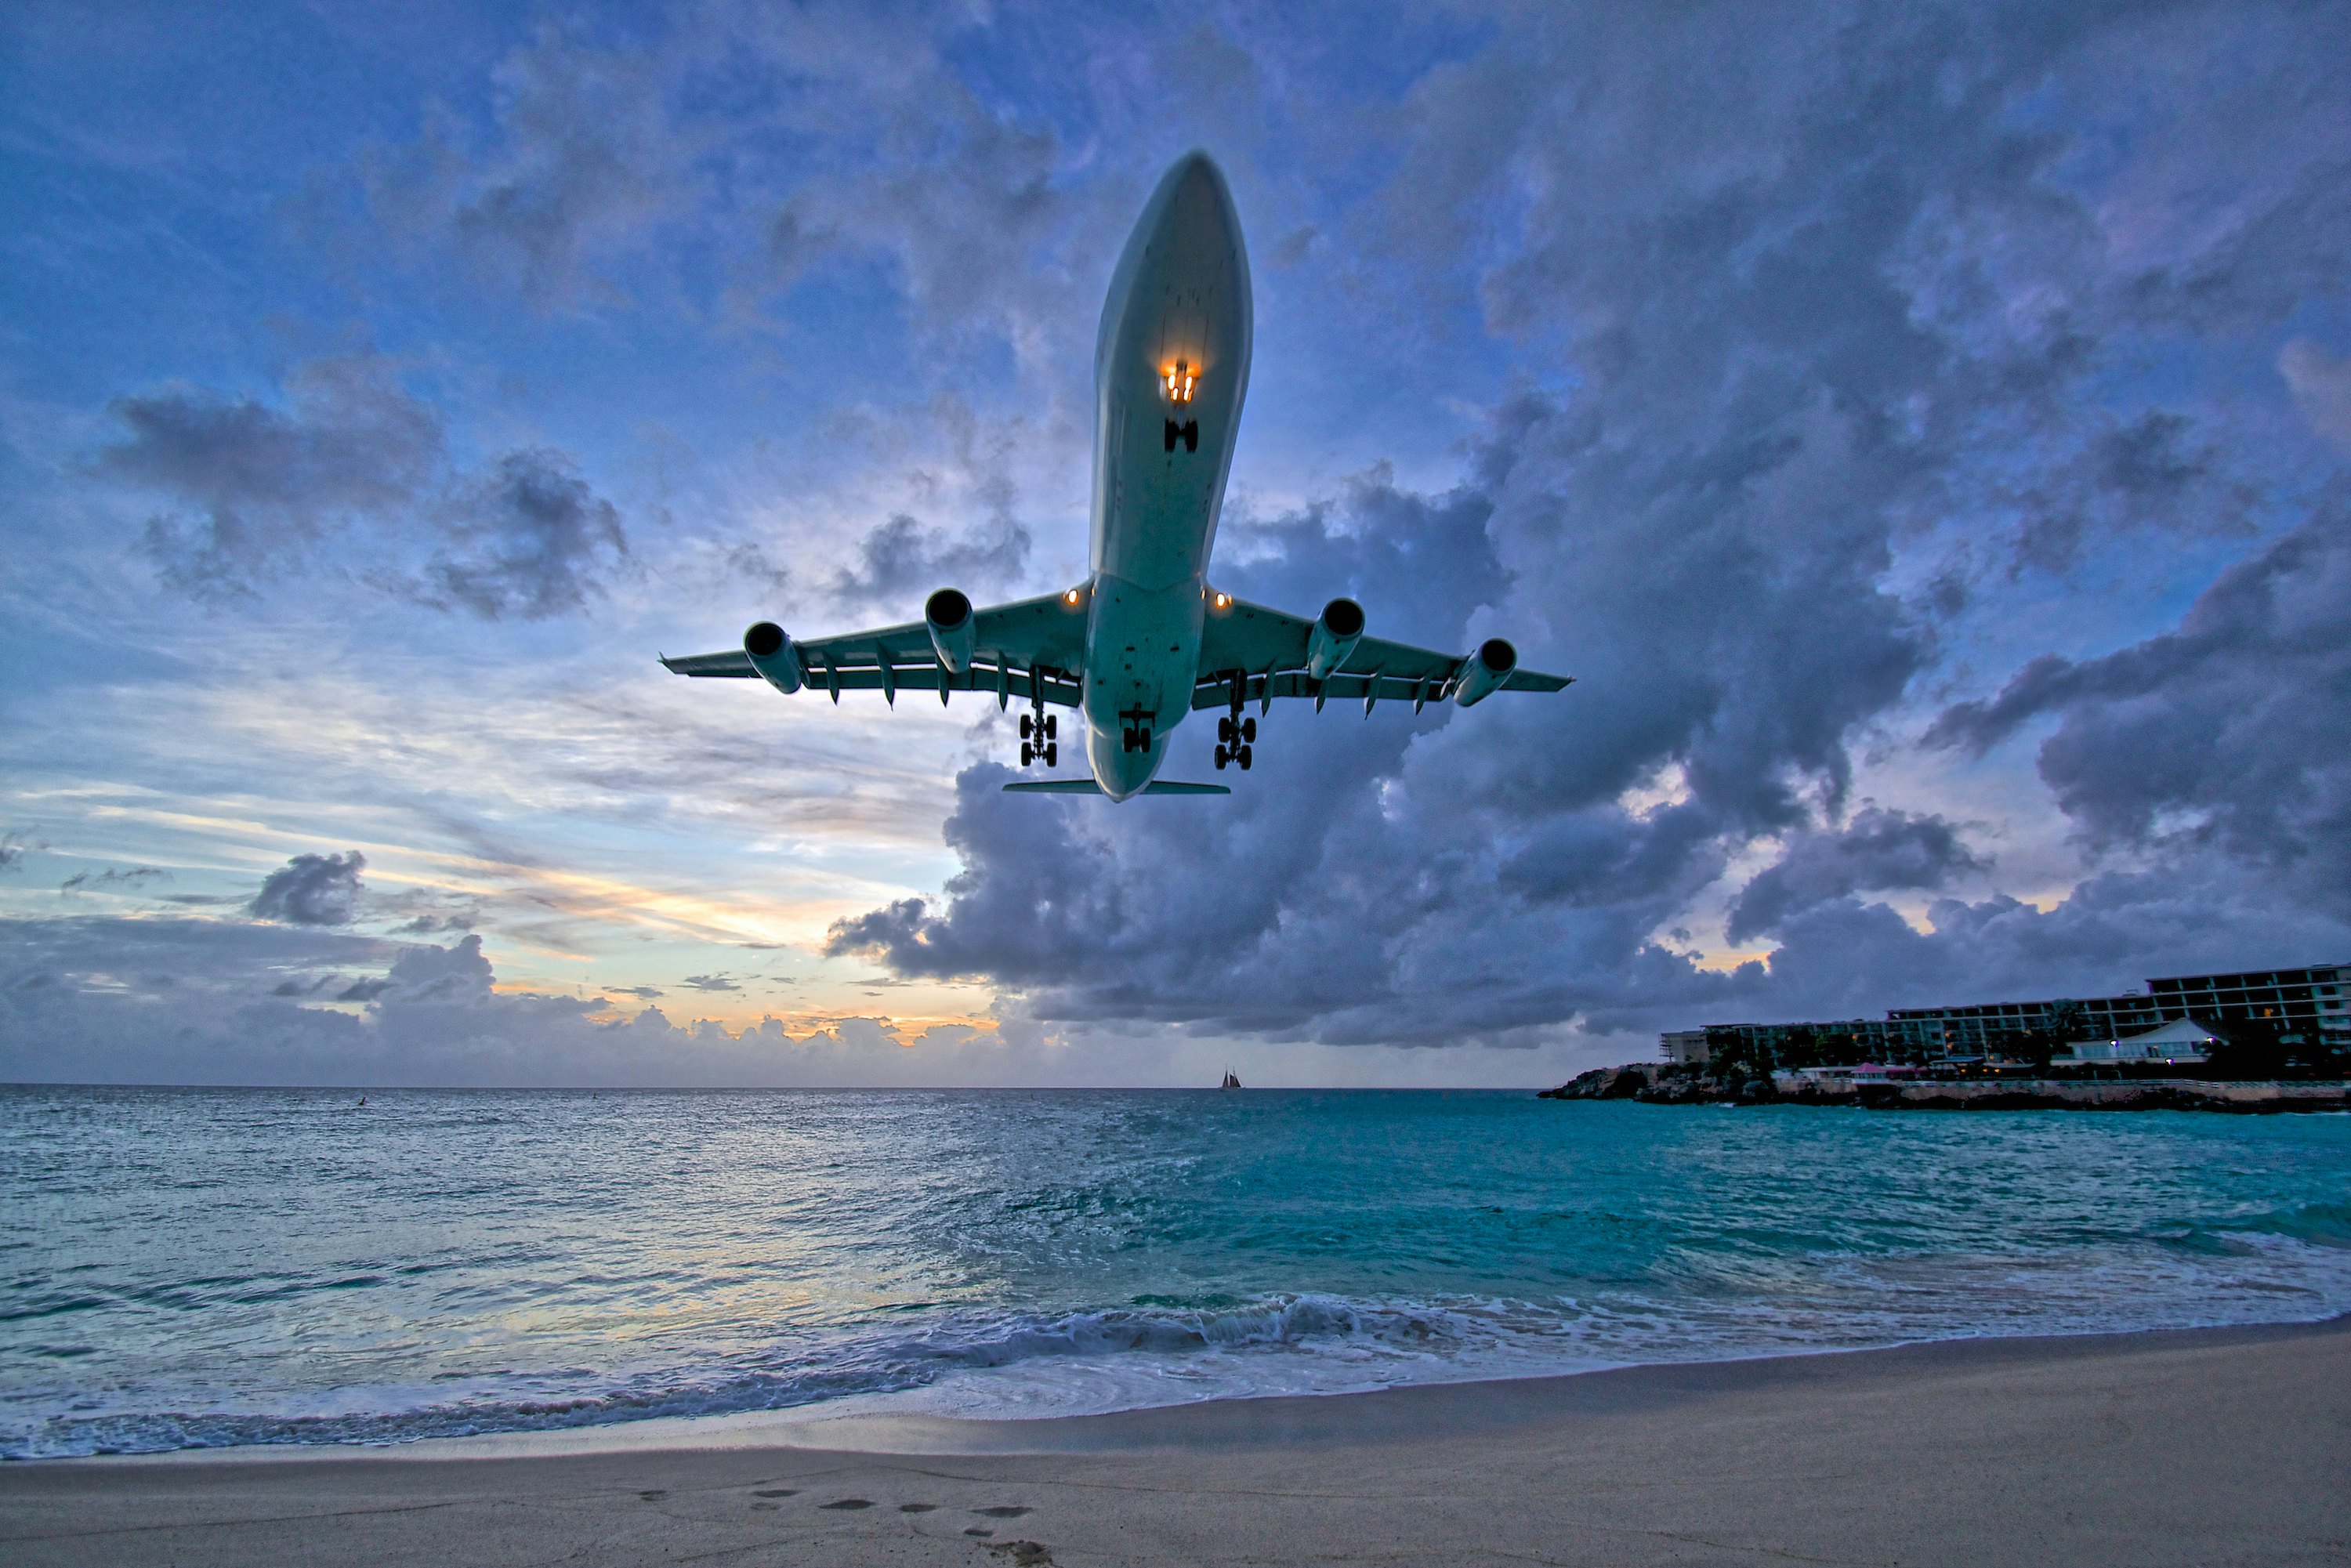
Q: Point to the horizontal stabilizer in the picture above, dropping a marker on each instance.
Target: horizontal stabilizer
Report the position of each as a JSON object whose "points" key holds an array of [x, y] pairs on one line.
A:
{"points": [[1088, 787]]}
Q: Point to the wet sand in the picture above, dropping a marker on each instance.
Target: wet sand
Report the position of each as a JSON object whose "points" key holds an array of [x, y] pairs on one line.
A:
{"points": [[2204, 1446]]}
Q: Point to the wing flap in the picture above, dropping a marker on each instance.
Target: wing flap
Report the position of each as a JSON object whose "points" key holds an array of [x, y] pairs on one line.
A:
{"points": [[734, 664]]}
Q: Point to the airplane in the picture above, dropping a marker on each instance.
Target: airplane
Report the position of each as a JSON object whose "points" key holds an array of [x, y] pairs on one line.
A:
{"points": [[1144, 640]]}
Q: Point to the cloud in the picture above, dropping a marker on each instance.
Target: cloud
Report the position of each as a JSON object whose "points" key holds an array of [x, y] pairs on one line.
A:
{"points": [[2322, 388], [1878, 849], [709, 983], [903, 558], [582, 156], [266, 484], [2229, 729], [528, 541], [14, 847], [354, 460], [311, 889], [137, 876]]}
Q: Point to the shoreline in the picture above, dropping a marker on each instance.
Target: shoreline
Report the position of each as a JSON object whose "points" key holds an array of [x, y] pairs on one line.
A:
{"points": [[851, 1421], [2165, 1446]]}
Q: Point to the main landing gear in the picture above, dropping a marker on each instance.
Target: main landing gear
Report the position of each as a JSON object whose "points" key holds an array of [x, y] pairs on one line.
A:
{"points": [[1037, 740], [1235, 737]]}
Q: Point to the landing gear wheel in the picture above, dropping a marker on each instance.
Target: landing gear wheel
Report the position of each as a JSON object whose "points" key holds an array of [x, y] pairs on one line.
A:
{"points": [[1126, 738], [1242, 756], [1191, 436], [1248, 732], [1225, 731], [1223, 757], [1171, 433], [1024, 726], [1052, 728], [1052, 755], [1028, 754]]}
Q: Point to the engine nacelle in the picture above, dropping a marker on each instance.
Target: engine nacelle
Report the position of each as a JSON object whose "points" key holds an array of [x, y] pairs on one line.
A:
{"points": [[772, 654], [1485, 671], [953, 630], [1336, 631]]}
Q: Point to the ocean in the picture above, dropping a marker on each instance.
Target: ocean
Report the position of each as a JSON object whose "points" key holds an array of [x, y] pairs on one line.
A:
{"points": [[203, 1268]]}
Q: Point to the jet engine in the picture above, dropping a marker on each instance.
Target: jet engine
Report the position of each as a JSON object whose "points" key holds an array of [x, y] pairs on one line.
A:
{"points": [[1485, 671], [772, 654], [1336, 631], [953, 633]]}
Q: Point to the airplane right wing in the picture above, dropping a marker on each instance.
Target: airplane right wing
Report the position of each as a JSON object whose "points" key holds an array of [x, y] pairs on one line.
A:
{"points": [[1030, 648], [1252, 652]]}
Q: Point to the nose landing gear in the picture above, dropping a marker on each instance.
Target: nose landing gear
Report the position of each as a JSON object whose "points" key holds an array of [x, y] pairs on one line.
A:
{"points": [[1189, 433]]}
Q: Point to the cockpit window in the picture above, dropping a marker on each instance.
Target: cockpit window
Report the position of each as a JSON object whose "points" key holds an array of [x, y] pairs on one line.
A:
{"points": [[1180, 377]]}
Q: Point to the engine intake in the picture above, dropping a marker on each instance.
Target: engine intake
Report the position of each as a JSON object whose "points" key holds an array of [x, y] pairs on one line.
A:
{"points": [[1336, 631], [772, 654], [1484, 671], [953, 633]]}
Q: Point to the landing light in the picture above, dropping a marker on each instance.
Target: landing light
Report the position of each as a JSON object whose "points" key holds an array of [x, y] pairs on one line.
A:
{"points": [[1070, 597], [1224, 601], [1180, 377]]}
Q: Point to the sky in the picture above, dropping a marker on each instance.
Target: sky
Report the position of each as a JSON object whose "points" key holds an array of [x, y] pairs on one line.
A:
{"points": [[1921, 430]]}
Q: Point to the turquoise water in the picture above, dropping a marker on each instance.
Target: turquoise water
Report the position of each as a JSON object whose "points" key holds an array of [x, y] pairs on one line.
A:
{"points": [[256, 1266]]}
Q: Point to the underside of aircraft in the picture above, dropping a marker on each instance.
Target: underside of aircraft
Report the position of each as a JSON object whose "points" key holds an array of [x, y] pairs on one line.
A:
{"points": [[1144, 641]]}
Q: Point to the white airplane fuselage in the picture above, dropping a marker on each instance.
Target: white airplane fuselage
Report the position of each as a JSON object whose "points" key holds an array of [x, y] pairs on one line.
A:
{"points": [[1171, 368]]}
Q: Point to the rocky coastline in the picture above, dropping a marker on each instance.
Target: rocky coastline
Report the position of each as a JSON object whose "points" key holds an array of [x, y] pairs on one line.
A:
{"points": [[1653, 1085]]}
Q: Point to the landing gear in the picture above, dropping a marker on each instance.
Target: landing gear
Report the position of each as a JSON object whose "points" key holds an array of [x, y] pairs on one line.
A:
{"points": [[1134, 738], [1236, 736], [1037, 738], [1189, 433]]}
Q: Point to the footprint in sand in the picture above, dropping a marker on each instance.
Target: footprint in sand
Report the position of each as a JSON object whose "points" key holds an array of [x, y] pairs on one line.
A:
{"points": [[918, 1507], [1003, 1511], [1027, 1553], [848, 1503], [776, 1491], [976, 1530], [653, 1496]]}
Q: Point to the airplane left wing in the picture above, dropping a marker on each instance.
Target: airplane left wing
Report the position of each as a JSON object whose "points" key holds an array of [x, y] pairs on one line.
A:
{"points": [[1030, 648], [1260, 653]]}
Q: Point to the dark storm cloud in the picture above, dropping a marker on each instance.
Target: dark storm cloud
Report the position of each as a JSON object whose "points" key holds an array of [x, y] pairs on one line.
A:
{"points": [[311, 889], [266, 484], [1878, 850], [1818, 290], [528, 541], [2233, 728]]}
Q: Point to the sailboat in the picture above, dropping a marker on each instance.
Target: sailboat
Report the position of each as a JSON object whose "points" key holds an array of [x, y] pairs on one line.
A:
{"points": [[1230, 1081]]}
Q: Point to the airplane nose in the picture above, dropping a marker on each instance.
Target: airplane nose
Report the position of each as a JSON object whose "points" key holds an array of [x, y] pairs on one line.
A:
{"points": [[1198, 201]]}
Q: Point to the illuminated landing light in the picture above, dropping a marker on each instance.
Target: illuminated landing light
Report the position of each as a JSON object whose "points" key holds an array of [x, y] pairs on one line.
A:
{"points": [[1224, 601], [1070, 597], [1180, 377]]}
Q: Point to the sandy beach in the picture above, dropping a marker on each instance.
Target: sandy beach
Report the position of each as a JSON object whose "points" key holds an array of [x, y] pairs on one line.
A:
{"points": [[2199, 1447]]}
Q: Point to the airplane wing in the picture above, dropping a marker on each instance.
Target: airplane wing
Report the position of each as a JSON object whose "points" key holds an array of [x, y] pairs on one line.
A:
{"points": [[1030, 648], [1263, 652]]}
